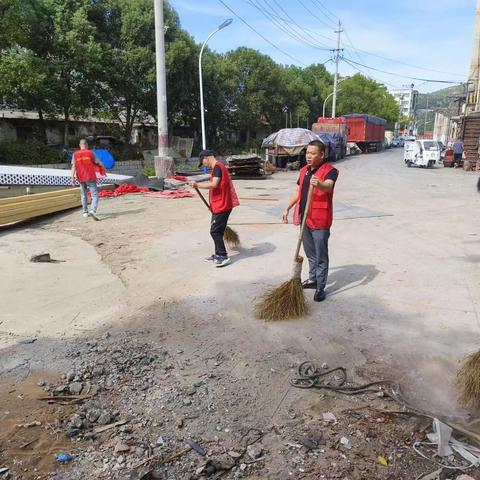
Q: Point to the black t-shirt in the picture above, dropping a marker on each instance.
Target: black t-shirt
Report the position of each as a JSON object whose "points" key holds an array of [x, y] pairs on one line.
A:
{"points": [[217, 171], [331, 175]]}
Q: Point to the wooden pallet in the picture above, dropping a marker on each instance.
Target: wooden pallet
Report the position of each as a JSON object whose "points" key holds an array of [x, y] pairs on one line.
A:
{"points": [[25, 207], [471, 135]]}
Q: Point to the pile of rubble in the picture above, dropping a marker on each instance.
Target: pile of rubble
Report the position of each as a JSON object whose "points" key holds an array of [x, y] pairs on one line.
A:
{"points": [[128, 409]]}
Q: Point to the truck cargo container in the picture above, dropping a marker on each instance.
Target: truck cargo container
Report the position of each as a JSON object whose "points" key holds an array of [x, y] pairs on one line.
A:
{"points": [[367, 131], [337, 128]]}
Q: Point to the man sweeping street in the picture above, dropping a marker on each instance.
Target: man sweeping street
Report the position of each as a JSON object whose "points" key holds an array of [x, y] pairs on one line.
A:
{"points": [[84, 167], [322, 176], [223, 198]]}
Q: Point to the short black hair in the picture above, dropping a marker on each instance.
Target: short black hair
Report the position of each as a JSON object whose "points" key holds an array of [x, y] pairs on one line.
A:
{"points": [[317, 143]]}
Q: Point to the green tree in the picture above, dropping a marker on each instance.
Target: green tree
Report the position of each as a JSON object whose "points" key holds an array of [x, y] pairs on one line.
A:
{"points": [[57, 37], [363, 95], [24, 81], [126, 32], [253, 81]]}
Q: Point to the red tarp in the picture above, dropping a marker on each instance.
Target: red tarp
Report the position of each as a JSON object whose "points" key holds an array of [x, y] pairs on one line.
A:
{"points": [[123, 189], [170, 194]]}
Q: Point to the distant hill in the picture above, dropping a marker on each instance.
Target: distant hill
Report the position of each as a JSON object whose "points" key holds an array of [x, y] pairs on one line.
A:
{"points": [[441, 101]]}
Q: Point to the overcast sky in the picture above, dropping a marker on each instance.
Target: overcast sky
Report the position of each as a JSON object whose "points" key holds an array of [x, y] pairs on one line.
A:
{"points": [[432, 34]]}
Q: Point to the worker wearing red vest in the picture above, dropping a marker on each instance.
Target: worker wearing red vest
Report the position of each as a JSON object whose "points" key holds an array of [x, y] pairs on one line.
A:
{"points": [[84, 167], [322, 176], [223, 198]]}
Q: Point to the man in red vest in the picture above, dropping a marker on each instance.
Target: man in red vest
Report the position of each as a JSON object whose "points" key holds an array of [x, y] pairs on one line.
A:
{"points": [[85, 166], [223, 198], [322, 176]]}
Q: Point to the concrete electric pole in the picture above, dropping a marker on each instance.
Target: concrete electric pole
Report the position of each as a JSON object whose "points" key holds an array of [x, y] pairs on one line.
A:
{"points": [[337, 59], [163, 163], [474, 79]]}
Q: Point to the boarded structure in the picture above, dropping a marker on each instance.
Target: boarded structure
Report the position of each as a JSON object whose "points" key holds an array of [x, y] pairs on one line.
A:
{"points": [[470, 132]]}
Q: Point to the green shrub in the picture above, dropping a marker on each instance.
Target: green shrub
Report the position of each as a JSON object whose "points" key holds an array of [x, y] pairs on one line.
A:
{"points": [[149, 171], [16, 153]]}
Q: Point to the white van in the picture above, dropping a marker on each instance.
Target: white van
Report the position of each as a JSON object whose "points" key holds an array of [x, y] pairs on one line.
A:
{"points": [[422, 153]]}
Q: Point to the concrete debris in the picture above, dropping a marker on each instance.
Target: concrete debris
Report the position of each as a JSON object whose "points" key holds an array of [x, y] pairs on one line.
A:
{"points": [[41, 258], [27, 341], [36, 423], [254, 451], [345, 442], [121, 447], [329, 417]]}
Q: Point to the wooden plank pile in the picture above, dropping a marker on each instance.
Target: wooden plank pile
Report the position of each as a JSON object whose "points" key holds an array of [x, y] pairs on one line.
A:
{"points": [[250, 165], [471, 140], [25, 207]]}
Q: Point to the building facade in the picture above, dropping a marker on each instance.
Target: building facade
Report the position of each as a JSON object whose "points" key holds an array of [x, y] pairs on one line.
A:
{"points": [[406, 99]]}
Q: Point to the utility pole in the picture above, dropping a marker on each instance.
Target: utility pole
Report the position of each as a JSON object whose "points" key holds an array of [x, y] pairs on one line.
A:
{"points": [[163, 163], [425, 122], [337, 59]]}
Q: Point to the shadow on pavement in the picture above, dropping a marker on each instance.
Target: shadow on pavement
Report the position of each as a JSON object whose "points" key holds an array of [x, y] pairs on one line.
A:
{"points": [[346, 277], [257, 250]]}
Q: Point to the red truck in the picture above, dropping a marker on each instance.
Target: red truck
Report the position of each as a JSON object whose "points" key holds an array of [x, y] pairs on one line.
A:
{"points": [[367, 131]]}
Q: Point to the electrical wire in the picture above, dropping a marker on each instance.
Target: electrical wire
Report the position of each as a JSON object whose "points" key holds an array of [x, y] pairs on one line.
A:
{"points": [[405, 63], [298, 25], [286, 29], [262, 36], [314, 15], [429, 80], [370, 76], [328, 13]]}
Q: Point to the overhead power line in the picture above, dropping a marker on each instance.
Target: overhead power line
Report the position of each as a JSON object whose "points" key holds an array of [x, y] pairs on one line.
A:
{"points": [[403, 76], [405, 63], [271, 17], [369, 75], [328, 13], [313, 14], [262, 36], [306, 30]]}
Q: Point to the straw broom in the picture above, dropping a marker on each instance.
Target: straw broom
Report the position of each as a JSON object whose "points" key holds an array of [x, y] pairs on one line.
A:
{"points": [[288, 300], [468, 381], [230, 235]]}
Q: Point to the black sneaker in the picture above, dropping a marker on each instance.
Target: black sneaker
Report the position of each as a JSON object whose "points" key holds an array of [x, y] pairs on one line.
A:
{"points": [[221, 261], [309, 284], [211, 258], [319, 295]]}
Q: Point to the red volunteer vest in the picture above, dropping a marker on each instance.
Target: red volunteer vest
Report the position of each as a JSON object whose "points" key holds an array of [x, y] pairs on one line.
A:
{"points": [[224, 197], [320, 215], [85, 166]]}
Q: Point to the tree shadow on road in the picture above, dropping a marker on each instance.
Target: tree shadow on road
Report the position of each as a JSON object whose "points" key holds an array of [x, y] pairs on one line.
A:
{"points": [[346, 277]]}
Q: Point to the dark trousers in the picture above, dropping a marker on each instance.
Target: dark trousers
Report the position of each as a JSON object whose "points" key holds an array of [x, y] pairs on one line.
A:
{"points": [[315, 244], [217, 229]]}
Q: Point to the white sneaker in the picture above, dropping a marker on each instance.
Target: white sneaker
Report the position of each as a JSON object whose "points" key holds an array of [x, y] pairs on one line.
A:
{"points": [[221, 261], [94, 216], [85, 214]]}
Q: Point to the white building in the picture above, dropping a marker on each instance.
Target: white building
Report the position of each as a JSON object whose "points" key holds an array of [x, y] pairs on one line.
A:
{"points": [[406, 99]]}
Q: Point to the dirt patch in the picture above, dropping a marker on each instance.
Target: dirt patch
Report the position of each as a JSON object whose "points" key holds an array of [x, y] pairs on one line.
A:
{"points": [[144, 408]]}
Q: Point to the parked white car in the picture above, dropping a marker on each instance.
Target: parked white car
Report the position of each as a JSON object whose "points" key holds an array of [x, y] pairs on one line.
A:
{"points": [[422, 153]]}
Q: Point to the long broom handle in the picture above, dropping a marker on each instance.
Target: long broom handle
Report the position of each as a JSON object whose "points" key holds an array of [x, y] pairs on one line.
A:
{"points": [[202, 197], [304, 221]]}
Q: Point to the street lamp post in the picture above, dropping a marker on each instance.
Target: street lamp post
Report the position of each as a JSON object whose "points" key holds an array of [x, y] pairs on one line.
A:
{"points": [[226, 23], [328, 96]]}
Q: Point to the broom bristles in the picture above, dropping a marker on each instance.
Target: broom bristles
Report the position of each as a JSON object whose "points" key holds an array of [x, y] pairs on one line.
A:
{"points": [[468, 381], [284, 302], [231, 237]]}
